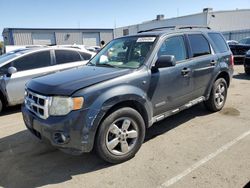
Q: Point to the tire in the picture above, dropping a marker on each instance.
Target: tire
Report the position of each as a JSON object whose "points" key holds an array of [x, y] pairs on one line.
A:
{"points": [[217, 96], [247, 71], [120, 135], [1, 105]]}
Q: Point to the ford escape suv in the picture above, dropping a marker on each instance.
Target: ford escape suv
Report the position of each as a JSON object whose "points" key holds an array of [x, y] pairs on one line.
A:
{"points": [[20, 66], [133, 82]]}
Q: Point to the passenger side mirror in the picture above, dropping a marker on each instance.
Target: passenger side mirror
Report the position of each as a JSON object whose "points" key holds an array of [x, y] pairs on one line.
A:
{"points": [[165, 61], [11, 70]]}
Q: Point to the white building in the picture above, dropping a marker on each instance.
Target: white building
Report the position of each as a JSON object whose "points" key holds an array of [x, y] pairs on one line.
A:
{"points": [[235, 24]]}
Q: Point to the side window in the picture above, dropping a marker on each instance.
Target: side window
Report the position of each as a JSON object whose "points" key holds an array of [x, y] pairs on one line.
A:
{"points": [[219, 42], [85, 56], [199, 45], [66, 56], [174, 46], [33, 61]]}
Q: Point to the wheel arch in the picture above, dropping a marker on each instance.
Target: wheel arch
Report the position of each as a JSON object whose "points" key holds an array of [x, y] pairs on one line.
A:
{"points": [[3, 98], [222, 74]]}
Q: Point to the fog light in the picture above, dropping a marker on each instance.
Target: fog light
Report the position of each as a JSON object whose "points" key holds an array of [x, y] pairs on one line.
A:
{"points": [[60, 138]]}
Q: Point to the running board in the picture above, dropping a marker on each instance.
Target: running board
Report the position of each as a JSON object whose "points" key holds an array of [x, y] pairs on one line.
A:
{"points": [[175, 111]]}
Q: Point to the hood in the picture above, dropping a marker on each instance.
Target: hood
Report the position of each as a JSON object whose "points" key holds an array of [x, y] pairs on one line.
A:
{"points": [[69, 81]]}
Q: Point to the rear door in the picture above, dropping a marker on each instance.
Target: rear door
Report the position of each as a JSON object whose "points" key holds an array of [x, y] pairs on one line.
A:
{"points": [[172, 87], [28, 66], [67, 59], [204, 62]]}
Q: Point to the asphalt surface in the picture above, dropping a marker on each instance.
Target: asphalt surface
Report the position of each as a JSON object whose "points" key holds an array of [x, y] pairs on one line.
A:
{"points": [[191, 149]]}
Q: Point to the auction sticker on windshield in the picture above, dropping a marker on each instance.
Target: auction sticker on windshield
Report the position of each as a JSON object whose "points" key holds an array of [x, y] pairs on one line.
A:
{"points": [[146, 39]]}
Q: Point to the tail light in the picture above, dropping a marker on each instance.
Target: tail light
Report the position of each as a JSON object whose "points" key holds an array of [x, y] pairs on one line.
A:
{"points": [[232, 60]]}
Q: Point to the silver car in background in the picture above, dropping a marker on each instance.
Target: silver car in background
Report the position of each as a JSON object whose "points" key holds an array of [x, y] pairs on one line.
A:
{"points": [[20, 66]]}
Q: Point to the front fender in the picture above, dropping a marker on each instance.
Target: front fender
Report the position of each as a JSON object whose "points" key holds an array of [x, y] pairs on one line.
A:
{"points": [[120, 94], [109, 99]]}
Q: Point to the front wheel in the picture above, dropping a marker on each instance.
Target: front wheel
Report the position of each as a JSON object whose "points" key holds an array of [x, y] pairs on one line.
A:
{"points": [[120, 135], [217, 96]]}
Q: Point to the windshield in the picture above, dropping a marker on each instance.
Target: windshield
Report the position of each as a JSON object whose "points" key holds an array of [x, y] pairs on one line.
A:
{"points": [[6, 57], [129, 52]]}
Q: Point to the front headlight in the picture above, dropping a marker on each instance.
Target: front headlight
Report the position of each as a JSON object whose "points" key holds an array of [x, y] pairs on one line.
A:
{"points": [[248, 52], [63, 105]]}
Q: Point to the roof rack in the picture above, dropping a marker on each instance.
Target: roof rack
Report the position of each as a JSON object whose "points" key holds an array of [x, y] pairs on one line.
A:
{"points": [[175, 27], [157, 29]]}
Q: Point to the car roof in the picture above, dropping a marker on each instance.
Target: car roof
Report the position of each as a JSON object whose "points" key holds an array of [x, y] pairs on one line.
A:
{"points": [[161, 31], [37, 49]]}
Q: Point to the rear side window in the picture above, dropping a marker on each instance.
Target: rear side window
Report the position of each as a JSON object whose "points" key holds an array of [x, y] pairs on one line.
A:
{"points": [[199, 45], [33, 61], [174, 46], [219, 42], [85, 56], [66, 56]]}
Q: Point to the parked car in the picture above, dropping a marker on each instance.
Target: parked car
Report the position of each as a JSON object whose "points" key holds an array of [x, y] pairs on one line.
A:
{"points": [[239, 50], [93, 48], [133, 82], [19, 66], [80, 47], [231, 42], [247, 63]]}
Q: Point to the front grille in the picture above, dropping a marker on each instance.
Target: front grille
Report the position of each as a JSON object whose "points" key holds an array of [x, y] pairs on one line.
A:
{"points": [[38, 104]]}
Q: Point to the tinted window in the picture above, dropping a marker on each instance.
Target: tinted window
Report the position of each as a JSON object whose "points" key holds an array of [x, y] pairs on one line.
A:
{"points": [[32, 61], [174, 46], [85, 56], [66, 56], [199, 45], [219, 42], [245, 41]]}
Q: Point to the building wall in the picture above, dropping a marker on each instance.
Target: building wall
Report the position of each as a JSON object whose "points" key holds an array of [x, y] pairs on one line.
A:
{"points": [[106, 36], [60, 36], [229, 20], [68, 37], [217, 20], [196, 19]]}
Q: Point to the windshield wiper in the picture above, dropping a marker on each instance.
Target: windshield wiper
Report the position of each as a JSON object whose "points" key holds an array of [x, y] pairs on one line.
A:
{"points": [[106, 65]]}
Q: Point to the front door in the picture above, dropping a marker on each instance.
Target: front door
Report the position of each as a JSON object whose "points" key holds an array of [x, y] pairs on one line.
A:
{"points": [[172, 87], [28, 67]]}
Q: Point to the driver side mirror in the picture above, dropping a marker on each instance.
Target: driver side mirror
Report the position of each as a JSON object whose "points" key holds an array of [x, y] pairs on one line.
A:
{"points": [[10, 71], [165, 61]]}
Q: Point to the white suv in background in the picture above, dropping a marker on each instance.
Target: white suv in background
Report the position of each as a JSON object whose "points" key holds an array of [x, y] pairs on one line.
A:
{"points": [[20, 66]]}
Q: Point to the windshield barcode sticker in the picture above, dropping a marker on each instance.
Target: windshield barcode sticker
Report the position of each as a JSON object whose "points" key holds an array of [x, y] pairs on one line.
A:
{"points": [[146, 39]]}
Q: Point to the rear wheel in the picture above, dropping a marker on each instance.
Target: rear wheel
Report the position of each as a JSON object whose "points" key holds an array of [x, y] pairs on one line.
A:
{"points": [[120, 136], [217, 96]]}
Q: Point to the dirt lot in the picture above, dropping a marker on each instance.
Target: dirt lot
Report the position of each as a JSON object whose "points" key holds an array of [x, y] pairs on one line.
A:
{"points": [[191, 149]]}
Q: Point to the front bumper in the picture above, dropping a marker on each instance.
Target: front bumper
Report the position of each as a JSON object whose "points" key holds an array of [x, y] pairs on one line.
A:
{"points": [[78, 129]]}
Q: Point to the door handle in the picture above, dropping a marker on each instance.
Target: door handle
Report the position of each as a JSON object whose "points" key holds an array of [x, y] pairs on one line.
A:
{"points": [[185, 71], [213, 63]]}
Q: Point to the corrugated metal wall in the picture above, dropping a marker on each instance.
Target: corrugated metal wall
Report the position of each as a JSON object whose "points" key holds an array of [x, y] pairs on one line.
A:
{"points": [[106, 36], [22, 38], [68, 37], [237, 35], [61, 37]]}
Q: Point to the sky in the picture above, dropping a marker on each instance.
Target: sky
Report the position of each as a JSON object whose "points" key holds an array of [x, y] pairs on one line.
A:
{"points": [[100, 13]]}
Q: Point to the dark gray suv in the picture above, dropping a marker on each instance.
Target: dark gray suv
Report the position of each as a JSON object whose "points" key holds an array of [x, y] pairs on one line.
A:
{"points": [[133, 82]]}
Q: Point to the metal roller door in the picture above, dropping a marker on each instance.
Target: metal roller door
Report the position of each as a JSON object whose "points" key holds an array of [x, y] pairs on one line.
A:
{"points": [[91, 39], [43, 38]]}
